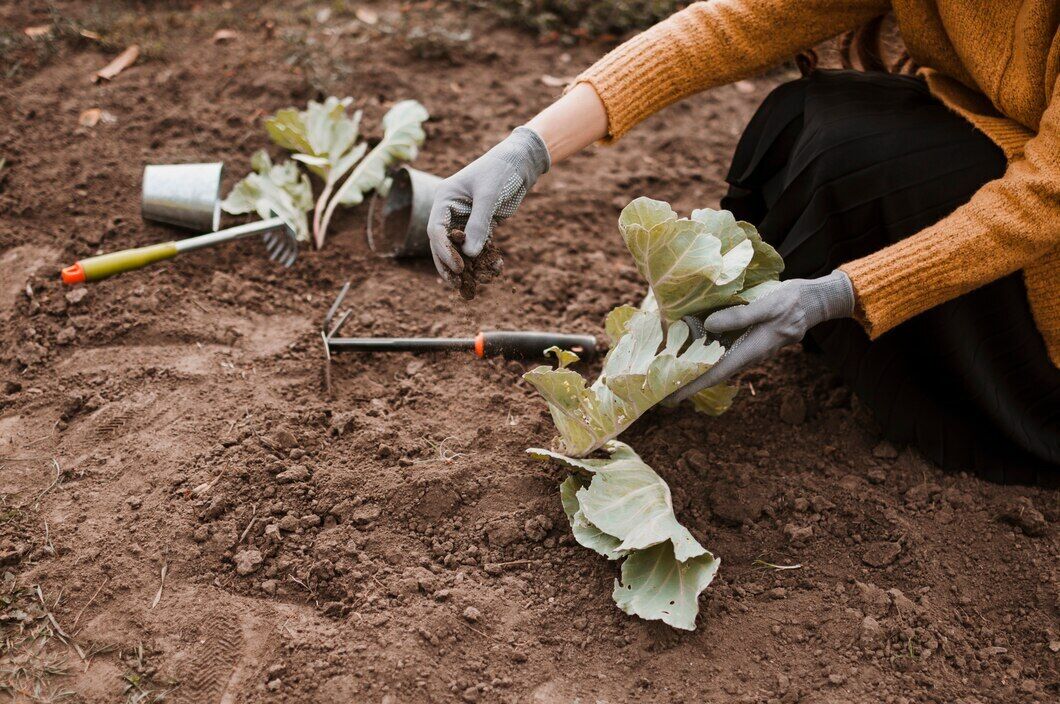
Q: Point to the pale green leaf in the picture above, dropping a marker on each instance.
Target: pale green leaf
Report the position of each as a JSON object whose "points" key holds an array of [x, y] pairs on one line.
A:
{"points": [[583, 418], [402, 135], [625, 510], [649, 302], [741, 242], [715, 400], [616, 322], [287, 129], [656, 586], [260, 161], [766, 265], [321, 135], [645, 366], [564, 358], [317, 161], [273, 189], [681, 261], [347, 162], [586, 533], [698, 264], [626, 499]]}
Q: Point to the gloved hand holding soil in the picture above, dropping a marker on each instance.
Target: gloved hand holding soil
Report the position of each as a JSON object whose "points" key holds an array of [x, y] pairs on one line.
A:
{"points": [[478, 197], [473, 271]]}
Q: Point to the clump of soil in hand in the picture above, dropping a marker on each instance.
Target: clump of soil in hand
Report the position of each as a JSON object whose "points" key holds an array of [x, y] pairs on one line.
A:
{"points": [[483, 269]]}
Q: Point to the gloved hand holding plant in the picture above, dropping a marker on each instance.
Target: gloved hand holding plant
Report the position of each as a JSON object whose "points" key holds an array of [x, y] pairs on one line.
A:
{"points": [[620, 507]]}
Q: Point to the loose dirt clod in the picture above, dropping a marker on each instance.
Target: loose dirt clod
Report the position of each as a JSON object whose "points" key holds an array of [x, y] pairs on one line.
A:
{"points": [[481, 270], [248, 561]]}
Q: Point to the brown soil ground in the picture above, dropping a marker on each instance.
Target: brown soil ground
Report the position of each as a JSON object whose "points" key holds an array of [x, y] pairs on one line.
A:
{"points": [[169, 420]]}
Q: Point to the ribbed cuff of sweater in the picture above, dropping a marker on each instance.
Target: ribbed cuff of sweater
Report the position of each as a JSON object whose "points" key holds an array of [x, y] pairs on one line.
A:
{"points": [[893, 285], [1042, 279]]}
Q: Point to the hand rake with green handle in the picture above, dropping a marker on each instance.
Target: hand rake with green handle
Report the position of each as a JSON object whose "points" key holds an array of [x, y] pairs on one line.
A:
{"points": [[279, 237], [185, 195]]}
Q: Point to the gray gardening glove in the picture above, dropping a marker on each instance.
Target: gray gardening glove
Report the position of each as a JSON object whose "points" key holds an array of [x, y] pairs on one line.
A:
{"points": [[483, 193], [777, 319]]}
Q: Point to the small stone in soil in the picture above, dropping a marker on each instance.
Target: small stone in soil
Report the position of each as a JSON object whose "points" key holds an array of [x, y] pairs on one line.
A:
{"points": [[793, 408], [1022, 513], [77, 295], [472, 614], [881, 554], [294, 474], [871, 632], [248, 561], [884, 451], [798, 534], [537, 528]]}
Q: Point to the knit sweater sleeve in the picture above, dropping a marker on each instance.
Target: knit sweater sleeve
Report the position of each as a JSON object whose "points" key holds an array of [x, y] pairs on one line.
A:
{"points": [[1008, 224], [710, 44]]}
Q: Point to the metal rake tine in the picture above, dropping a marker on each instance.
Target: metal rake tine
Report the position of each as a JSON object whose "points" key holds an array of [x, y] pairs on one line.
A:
{"points": [[283, 250], [273, 248], [335, 305], [339, 323]]}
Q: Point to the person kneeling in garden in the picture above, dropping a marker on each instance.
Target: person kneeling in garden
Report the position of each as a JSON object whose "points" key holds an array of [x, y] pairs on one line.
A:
{"points": [[917, 209]]}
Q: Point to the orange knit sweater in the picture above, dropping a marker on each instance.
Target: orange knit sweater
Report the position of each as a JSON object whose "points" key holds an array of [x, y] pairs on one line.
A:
{"points": [[996, 62]]}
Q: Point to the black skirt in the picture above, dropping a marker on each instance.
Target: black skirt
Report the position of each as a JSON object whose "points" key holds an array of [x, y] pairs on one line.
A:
{"points": [[841, 164]]}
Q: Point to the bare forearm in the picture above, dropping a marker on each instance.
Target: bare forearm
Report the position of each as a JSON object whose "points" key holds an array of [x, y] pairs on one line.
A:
{"points": [[571, 123]]}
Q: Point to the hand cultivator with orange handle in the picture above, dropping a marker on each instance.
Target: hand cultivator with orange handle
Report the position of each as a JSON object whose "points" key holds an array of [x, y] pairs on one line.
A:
{"points": [[511, 344]]}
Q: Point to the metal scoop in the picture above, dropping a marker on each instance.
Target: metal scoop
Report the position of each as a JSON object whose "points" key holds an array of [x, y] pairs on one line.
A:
{"points": [[397, 222], [185, 195]]}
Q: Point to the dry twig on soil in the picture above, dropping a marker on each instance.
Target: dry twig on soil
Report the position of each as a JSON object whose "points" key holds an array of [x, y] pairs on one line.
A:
{"points": [[161, 586], [121, 62]]}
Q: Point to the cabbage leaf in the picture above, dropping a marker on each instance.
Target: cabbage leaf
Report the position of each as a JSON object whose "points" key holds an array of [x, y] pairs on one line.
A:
{"points": [[656, 586], [619, 507], [715, 400], [402, 136], [627, 500], [698, 264], [625, 510], [273, 190], [584, 531], [324, 137], [644, 366]]}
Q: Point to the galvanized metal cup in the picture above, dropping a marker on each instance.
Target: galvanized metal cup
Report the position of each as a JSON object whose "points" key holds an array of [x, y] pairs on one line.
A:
{"points": [[397, 224], [185, 195]]}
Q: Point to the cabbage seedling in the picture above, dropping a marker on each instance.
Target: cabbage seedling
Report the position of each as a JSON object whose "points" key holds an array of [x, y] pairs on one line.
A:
{"points": [[618, 506], [324, 138], [273, 190]]}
